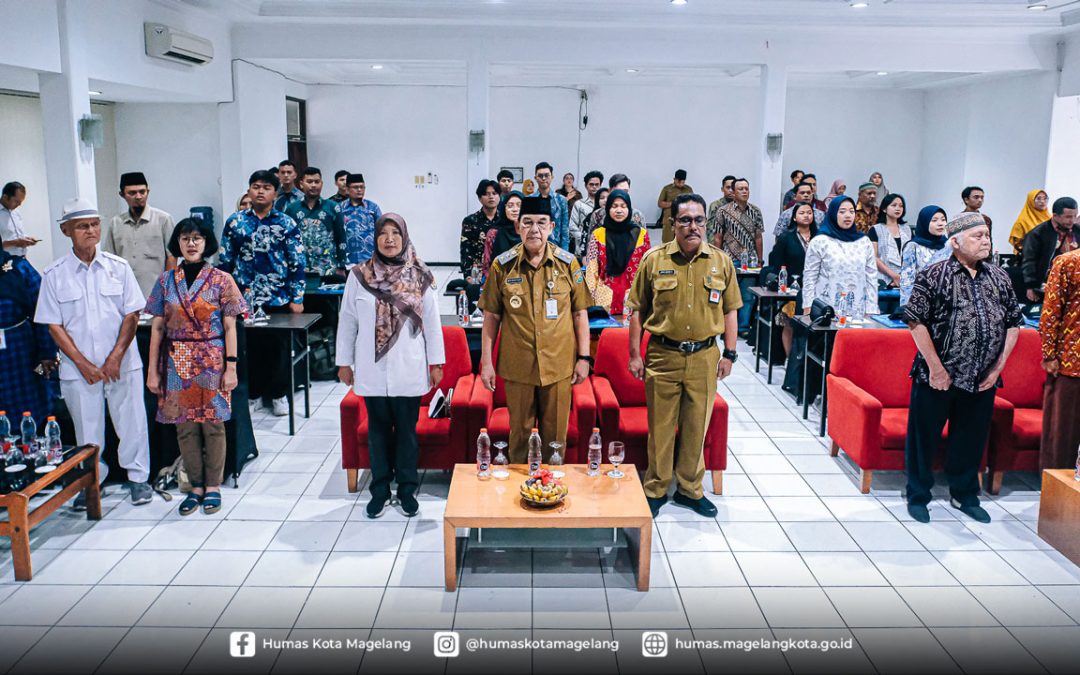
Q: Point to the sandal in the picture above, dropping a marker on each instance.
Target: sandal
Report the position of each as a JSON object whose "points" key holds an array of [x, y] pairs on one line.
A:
{"points": [[190, 504], [211, 502]]}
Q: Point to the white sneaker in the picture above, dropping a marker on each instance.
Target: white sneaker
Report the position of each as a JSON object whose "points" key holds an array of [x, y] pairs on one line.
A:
{"points": [[281, 406]]}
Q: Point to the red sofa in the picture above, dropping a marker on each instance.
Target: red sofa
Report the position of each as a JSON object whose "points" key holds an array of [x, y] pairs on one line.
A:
{"points": [[443, 442], [1016, 429], [620, 399], [489, 411], [869, 397]]}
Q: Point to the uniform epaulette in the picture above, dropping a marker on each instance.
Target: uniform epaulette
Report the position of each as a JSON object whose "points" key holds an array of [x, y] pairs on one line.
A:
{"points": [[508, 255], [54, 264], [564, 255], [113, 256], [652, 250]]}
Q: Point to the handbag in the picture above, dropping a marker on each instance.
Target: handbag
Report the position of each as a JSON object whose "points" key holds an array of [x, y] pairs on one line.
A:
{"points": [[821, 313]]}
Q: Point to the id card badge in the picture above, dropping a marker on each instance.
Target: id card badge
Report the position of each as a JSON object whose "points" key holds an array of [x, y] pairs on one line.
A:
{"points": [[551, 308], [714, 296]]}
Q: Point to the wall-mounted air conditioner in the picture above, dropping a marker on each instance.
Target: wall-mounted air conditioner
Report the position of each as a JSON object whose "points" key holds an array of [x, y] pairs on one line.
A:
{"points": [[163, 42]]}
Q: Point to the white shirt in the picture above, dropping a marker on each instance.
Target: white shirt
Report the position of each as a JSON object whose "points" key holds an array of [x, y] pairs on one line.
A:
{"points": [[90, 302], [11, 227], [403, 371], [834, 267]]}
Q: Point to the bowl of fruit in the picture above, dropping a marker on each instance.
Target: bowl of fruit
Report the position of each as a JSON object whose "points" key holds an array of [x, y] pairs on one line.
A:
{"points": [[542, 489]]}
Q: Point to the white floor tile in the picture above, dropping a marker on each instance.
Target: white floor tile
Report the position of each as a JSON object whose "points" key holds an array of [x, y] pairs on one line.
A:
{"points": [[703, 569], [833, 484], [120, 535], [766, 464], [242, 535], [796, 509], [481, 567], [1020, 606], [986, 650], [904, 650], [153, 568], [177, 535], [1008, 535], [850, 568], [1057, 649], [872, 608], [781, 485], [39, 605], [692, 536], [431, 608], [359, 535], [168, 649], [756, 537], [353, 608], [282, 569], [420, 568], [18, 640], [423, 535], [357, 568], [864, 508], [949, 606], [78, 567], [306, 536], [979, 568], [188, 606], [1043, 567], [742, 509], [797, 608], [733, 607], [882, 537], [108, 606], [1065, 597], [571, 568], [263, 507], [819, 536], [323, 508], [491, 608], [66, 649], [946, 535], [568, 608], [262, 607], [217, 568], [912, 568], [658, 609], [775, 569]]}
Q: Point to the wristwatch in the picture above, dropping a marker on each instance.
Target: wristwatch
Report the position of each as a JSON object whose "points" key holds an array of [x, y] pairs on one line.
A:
{"points": [[586, 357], [731, 355]]}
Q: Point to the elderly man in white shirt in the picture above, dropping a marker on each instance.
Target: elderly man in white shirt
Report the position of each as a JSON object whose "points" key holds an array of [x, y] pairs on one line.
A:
{"points": [[12, 231], [91, 302], [390, 351]]}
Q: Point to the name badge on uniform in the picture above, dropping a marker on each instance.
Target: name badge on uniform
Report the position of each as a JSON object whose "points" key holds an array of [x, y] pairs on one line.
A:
{"points": [[513, 280], [714, 296], [665, 273], [551, 308], [515, 301]]}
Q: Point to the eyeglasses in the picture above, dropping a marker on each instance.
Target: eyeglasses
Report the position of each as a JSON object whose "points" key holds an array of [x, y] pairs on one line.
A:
{"points": [[687, 221]]}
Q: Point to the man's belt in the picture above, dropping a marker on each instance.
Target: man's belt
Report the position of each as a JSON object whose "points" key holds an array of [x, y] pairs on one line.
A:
{"points": [[686, 346]]}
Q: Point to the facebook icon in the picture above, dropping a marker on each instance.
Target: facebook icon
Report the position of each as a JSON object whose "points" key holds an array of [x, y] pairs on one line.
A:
{"points": [[242, 644]]}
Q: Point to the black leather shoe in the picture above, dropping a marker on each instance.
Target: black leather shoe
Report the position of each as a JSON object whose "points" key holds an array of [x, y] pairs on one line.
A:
{"points": [[376, 506], [974, 511], [655, 503], [701, 506], [919, 512], [409, 506]]}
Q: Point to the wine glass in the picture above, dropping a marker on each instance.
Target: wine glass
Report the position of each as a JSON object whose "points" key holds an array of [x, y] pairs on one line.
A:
{"points": [[500, 465], [616, 454], [556, 460]]}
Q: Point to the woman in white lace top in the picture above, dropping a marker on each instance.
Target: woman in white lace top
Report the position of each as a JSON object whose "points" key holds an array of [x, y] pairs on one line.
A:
{"points": [[840, 260]]}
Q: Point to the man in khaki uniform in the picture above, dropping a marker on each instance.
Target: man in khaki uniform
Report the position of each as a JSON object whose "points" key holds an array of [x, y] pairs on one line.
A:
{"points": [[141, 234], [536, 292], [667, 195], [685, 294]]}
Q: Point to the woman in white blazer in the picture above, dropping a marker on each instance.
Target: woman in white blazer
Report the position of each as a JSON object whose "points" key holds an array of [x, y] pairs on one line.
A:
{"points": [[390, 351]]}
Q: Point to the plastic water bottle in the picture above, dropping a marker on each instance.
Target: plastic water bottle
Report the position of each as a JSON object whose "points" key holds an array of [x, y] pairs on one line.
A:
{"points": [[1077, 475], [483, 454], [626, 311], [852, 312], [536, 455], [28, 430], [463, 308], [781, 279], [5, 431], [595, 449], [53, 443], [474, 274], [841, 309]]}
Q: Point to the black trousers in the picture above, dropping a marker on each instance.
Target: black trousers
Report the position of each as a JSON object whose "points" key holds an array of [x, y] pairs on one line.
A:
{"points": [[269, 353], [392, 444], [968, 415]]}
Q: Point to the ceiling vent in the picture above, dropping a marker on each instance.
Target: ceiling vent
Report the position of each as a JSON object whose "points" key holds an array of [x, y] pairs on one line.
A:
{"points": [[163, 42]]}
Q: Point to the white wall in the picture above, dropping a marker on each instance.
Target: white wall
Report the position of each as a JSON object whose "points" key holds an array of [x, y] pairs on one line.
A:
{"points": [[176, 146], [391, 134], [848, 134], [998, 131], [28, 34], [22, 158], [1062, 167]]}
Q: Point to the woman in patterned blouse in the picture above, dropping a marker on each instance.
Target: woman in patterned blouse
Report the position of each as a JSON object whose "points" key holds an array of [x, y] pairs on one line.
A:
{"points": [[890, 235], [927, 244], [614, 253], [840, 261]]}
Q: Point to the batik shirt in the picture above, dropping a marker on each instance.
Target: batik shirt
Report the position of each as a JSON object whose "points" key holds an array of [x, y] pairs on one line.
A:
{"points": [[1060, 321], [783, 223], [283, 199], [967, 318], [360, 222], [265, 256], [322, 229], [914, 258], [474, 229], [739, 229]]}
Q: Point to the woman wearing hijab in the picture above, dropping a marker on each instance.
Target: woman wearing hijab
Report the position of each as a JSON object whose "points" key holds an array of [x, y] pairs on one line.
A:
{"points": [[614, 253], [390, 351], [27, 345], [1034, 213], [890, 235], [877, 179], [840, 261], [838, 188], [925, 247], [504, 236]]}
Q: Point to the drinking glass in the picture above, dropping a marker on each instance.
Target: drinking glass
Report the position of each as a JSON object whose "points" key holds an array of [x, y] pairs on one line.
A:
{"points": [[499, 468], [616, 454], [556, 460]]}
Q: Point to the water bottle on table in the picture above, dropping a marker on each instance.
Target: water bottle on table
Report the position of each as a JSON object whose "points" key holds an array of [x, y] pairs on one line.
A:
{"points": [[483, 455], [781, 279], [28, 432], [536, 455], [463, 308], [54, 447], [595, 447], [5, 431]]}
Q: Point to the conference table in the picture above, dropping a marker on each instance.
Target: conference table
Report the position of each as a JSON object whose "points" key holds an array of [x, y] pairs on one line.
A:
{"points": [[766, 316]]}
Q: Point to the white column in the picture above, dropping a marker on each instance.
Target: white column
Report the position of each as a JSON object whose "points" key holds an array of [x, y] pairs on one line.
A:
{"points": [[477, 109], [254, 133], [770, 181], [65, 99]]}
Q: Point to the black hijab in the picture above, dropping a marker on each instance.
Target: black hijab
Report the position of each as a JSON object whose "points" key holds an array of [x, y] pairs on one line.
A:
{"points": [[12, 284], [506, 236], [831, 228], [621, 238]]}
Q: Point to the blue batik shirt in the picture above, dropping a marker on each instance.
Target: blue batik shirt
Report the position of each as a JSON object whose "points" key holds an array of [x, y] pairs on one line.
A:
{"points": [[360, 222], [265, 257], [560, 216], [283, 199], [322, 231]]}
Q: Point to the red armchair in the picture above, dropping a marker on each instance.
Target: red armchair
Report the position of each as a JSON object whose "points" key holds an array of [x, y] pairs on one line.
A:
{"points": [[621, 402], [489, 411], [1016, 427], [443, 442]]}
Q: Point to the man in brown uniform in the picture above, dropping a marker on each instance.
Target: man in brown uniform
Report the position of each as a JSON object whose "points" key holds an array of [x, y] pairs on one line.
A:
{"points": [[685, 294], [539, 289]]}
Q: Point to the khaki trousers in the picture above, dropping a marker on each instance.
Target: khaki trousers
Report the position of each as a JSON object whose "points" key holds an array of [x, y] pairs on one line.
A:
{"points": [[202, 445], [546, 408], [679, 392]]}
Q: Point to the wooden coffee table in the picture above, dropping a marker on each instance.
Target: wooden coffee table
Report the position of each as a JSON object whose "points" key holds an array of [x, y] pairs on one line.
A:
{"points": [[77, 472], [593, 502]]}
